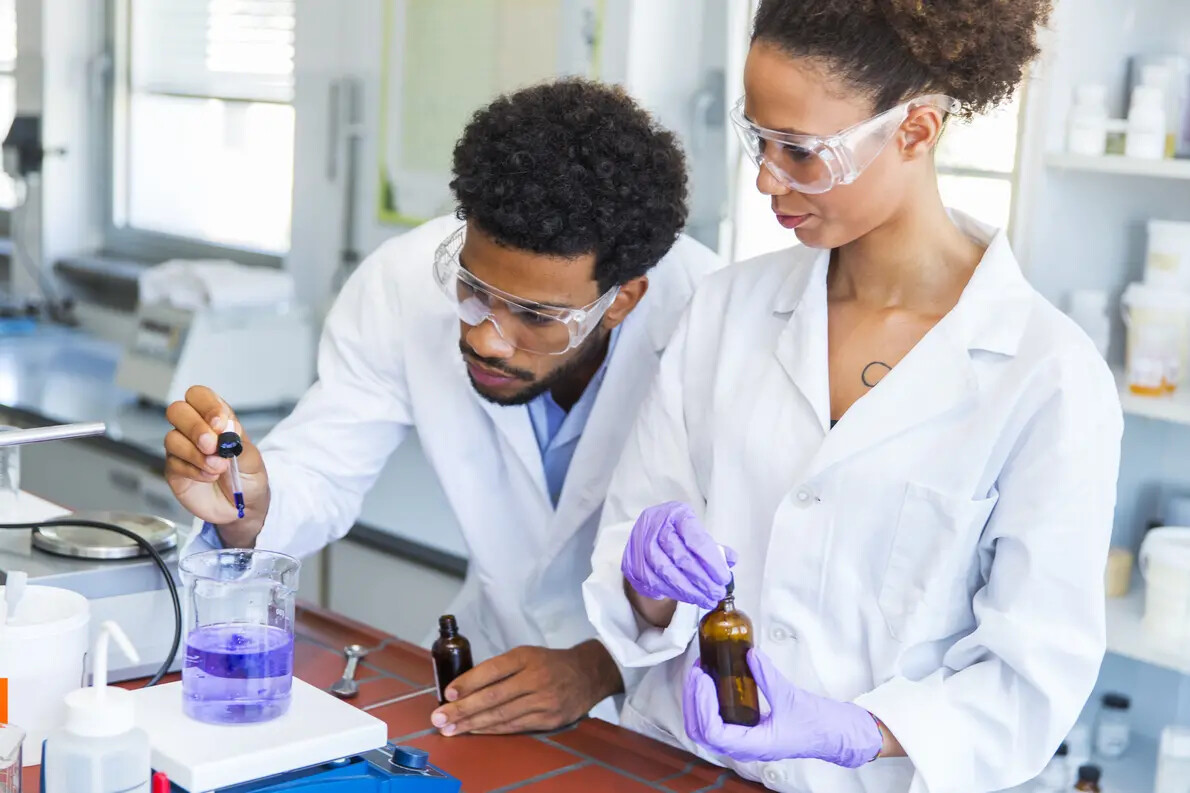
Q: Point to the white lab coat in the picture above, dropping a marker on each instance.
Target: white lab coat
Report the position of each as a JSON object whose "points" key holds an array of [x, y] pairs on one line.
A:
{"points": [[937, 558], [389, 361]]}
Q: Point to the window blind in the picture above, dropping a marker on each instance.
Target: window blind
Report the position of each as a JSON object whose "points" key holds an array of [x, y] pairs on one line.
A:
{"points": [[226, 49]]}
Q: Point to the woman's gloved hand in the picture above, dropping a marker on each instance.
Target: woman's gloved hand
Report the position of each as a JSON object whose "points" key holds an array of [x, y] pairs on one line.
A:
{"points": [[799, 725], [671, 555]]}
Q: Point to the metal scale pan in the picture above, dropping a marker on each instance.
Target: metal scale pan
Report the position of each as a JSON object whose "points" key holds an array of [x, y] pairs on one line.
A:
{"points": [[87, 543]]}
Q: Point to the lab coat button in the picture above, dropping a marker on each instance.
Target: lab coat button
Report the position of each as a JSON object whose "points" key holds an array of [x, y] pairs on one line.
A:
{"points": [[773, 776], [779, 634], [805, 498]]}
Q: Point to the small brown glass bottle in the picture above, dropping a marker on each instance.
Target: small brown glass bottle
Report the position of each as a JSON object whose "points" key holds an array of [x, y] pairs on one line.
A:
{"points": [[452, 655], [724, 639], [1088, 778]]}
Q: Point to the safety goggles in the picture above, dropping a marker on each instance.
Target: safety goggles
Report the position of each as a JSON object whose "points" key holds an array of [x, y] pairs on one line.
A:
{"points": [[815, 164], [525, 324]]}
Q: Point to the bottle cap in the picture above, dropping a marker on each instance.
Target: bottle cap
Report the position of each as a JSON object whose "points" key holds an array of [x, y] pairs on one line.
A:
{"points": [[448, 624], [1089, 773], [408, 757], [102, 711], [230, 444], [1116, 702]]}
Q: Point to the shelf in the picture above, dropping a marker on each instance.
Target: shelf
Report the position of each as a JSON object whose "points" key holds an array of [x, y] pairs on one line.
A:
{"points": [[1127, 637], [1114, 164], [1135, 772], [1174, 408]]}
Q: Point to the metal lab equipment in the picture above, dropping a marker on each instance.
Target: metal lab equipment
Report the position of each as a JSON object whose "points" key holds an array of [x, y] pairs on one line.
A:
{"points": [[255, 358], [103, 567]]}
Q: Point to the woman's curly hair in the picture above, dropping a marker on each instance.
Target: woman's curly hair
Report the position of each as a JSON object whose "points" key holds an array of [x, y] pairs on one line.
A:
{"points": [[975, 51], [573, 167]]}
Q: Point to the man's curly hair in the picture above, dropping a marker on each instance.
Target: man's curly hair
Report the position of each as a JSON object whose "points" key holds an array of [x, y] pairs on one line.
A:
{"points": [[975, 51], [570, 168]]}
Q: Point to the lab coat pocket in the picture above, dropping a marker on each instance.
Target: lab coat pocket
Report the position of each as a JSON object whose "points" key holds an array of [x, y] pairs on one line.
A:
{"points": [[927, 589]]}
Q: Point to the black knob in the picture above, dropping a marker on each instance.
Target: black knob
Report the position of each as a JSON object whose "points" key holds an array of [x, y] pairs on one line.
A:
{"points": [[408, 757], [230, 445]]}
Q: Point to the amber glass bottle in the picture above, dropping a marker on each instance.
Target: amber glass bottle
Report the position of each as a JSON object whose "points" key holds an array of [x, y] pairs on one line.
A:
{"points": [[724, 639], [451, 653]]}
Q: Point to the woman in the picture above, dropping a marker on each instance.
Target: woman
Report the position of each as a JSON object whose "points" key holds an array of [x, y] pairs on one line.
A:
{"points": [[925, 578]]}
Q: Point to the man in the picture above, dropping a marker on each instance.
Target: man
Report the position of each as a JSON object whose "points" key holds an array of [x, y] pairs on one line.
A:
{"points": [[518, 338]]}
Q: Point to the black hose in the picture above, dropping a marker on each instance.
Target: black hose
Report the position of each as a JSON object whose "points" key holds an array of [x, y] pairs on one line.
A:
{"points": [[148, 548]]}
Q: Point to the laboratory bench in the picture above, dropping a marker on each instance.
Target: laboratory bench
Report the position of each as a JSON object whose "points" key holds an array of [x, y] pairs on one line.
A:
{"points": [[396, 684]]}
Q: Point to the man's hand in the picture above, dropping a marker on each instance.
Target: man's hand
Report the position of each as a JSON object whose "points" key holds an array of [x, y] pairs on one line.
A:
{"points": [[528, 689], [196, 474]]}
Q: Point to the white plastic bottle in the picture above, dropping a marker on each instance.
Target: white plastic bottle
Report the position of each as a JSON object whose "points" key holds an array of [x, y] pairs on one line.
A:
{"points": [[1146, 124], [100, 750], [1086, 132]]}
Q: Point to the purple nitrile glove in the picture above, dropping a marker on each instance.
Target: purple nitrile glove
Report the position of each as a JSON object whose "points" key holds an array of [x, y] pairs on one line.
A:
{"points": [[799, 725], [670, 555]]}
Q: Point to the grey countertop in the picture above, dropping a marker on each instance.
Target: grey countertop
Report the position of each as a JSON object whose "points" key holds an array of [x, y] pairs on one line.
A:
{"points": [[62, 375]]}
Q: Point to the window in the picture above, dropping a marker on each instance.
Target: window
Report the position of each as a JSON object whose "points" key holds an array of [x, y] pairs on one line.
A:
{"points": [[8, 89], [977, 164], [203, 124]]}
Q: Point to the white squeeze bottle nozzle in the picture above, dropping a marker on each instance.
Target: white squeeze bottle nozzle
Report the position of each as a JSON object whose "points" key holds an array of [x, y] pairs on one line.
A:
{"points": [[100, 749]]}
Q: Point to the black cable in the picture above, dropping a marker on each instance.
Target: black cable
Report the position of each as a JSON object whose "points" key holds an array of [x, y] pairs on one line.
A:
{"points": [[145, 546]]}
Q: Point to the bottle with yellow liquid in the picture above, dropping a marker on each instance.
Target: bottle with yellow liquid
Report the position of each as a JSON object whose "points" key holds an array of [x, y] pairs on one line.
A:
{"points": [[724, 639]]}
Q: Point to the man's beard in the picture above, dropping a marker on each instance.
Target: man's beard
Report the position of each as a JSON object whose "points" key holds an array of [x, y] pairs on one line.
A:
{"points": [[591, 348]]}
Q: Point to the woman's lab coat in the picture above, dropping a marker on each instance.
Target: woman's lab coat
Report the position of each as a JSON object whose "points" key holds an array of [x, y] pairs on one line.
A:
{"points": [[389, 362], [938, 557]]}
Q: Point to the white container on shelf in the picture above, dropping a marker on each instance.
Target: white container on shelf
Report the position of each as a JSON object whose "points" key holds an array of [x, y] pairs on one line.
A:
{"points": [[1146, 124], [1168, 261], [1088, 308], [1158, 323], [1172, 73], [1165, 565], [1173, 761], [1086, 132]]}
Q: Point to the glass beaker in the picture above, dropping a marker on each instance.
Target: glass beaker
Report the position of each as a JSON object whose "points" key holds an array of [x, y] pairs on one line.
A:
{"points": [[10, 475], [10, 758], [238, 622]]}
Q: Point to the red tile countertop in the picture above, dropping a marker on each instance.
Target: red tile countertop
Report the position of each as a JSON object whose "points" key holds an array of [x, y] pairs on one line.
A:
{"points": [[397, 686]]}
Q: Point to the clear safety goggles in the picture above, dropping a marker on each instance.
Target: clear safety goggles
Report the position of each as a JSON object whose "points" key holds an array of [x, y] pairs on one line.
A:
{"points": [[815, 164], [525, 324]]}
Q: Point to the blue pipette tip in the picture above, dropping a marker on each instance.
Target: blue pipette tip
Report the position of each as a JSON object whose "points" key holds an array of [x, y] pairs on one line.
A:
{"points": [[239, 499]]}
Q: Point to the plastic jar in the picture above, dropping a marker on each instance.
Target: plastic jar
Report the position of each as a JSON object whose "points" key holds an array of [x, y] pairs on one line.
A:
{"points": [[1113, 730], [1165, 565], [1146, 124], [1086, 132], [1158, 322], [1173, 761], [1167, 263]]}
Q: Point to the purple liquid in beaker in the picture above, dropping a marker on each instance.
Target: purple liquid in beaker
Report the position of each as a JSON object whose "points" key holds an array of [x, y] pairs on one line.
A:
{"points": [[237, 673]]}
